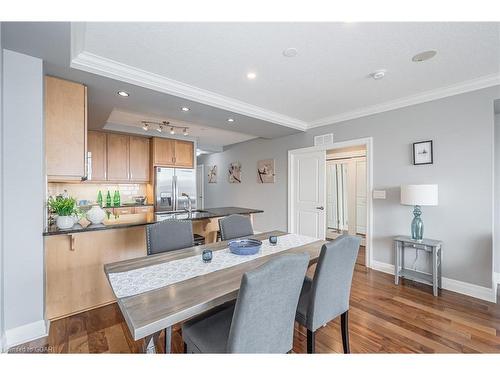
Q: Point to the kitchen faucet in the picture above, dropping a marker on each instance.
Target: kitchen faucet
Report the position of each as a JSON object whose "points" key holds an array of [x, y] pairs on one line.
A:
{"points": [[190, 204]]}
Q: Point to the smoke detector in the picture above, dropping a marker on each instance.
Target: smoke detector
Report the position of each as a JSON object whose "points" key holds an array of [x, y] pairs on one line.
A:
{"points": [[378, 74]]}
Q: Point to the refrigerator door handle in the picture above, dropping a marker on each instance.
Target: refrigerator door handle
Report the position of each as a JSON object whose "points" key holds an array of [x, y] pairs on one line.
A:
{"points": [[175, 193]]}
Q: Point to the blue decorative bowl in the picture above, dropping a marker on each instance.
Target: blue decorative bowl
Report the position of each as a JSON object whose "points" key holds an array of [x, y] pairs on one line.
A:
{"points": [[245, 246]]}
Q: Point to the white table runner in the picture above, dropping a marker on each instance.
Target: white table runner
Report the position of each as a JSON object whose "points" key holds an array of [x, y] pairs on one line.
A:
{"points": [[144, 279]]}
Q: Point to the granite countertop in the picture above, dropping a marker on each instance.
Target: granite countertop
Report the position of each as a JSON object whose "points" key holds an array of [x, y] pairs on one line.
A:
{"points": [[134, 220]]}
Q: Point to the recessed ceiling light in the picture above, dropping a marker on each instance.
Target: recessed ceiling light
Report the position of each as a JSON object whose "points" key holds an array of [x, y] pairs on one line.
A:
{"points": [[230, 120], [185, 109], [251, 75], [290, 52], [378, 74], [123, 93], [422, 56]]}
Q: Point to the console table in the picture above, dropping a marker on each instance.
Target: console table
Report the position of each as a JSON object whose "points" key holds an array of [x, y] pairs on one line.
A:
{"points": [[432, 247]]}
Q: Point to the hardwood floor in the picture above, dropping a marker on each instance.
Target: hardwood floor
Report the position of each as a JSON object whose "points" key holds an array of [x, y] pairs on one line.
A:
{"points": [[383, 318]]}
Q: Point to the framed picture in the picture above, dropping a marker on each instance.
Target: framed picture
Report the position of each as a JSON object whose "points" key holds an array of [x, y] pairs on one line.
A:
{"points": [[422, 153], [234, 172], [265, 171], [212, 174]]}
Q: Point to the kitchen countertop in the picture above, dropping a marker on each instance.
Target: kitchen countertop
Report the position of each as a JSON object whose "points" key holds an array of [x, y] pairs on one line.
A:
{"points": [[134, 220]]}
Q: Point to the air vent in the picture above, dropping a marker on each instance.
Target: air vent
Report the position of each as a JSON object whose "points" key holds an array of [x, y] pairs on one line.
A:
{"points": [[322, 140]]}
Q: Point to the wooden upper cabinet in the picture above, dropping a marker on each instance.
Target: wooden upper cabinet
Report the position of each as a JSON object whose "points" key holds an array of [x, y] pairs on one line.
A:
{"points": [[173, 153], [184, 154], [65, 129], [97, 148], [118, 157], [139, 159], [163, 152]]}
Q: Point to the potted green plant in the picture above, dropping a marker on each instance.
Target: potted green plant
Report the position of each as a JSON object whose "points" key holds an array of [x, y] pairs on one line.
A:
{"points": [[65, 209]]}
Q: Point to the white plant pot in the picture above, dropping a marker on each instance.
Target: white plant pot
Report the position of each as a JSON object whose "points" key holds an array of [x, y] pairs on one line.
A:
{"points": [[96, 215], [65, 222]]}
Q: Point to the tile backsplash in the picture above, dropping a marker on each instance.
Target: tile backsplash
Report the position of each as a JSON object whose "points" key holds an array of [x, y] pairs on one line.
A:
{"points": [[89, 192]]}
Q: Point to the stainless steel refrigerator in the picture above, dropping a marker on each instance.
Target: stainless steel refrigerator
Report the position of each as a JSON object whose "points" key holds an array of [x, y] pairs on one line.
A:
{"points": [[170, 183]]}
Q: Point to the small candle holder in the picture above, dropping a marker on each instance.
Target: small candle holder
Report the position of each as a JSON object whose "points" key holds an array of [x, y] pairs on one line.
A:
{"points": [[273, 240], [206, 255]]}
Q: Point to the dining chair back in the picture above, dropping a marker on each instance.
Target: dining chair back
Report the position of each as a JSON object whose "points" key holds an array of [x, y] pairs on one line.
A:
{"points": [[235, 226], [331, 286], [168, 235], [263, 319]]}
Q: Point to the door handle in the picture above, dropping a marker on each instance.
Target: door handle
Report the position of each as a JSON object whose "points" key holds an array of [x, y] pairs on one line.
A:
{"points": [[320, 208]]}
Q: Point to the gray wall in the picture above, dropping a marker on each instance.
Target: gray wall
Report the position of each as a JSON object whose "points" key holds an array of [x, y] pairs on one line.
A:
{"points": [[2, 326], [462, 130], [496, 257], [23, 172]]}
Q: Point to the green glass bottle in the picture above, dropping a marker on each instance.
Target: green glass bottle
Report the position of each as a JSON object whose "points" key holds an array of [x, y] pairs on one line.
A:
{"points": [[108, 199], [116, 198], [99, 199]]}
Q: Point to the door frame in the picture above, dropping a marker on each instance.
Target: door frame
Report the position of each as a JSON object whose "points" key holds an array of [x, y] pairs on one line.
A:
{"points": [[368, 143]]}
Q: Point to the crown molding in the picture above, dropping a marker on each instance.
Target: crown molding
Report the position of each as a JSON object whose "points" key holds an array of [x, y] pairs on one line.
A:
{"points": [[92, 63], [427, 96]]}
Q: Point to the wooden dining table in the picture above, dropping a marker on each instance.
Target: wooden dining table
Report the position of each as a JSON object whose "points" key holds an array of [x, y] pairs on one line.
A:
{"points": [[153, 311]]}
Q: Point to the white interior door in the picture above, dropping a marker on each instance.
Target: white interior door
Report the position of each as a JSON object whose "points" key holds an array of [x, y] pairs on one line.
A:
{"points": [[200, 186], [361, 196], [308, 195]]}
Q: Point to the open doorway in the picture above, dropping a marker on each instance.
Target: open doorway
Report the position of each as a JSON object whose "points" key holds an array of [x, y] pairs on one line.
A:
{"points": [[346, 190], [321, 208]]}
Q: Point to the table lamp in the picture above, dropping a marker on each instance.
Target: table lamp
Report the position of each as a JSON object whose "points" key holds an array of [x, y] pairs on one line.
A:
{"points": [[418, 195]]}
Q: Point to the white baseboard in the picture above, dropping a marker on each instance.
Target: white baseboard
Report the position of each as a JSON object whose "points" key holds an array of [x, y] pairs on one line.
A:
{"points": [[3, 345], [382, 267], [473, 290], [27, 332]]}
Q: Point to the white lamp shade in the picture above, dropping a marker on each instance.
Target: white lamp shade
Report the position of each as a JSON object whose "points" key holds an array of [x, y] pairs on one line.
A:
{"points": [[419, 195]]}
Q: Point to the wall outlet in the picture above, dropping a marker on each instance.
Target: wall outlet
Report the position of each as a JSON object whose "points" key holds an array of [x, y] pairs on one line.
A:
{"points": [[378, 194]]}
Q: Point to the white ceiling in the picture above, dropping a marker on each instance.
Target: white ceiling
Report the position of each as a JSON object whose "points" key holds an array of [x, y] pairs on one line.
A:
{"points": [[51, 41], [326, 82], [206, 136]]}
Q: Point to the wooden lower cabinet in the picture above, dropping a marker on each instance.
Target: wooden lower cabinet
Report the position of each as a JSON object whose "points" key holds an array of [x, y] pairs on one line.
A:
{"points": [[74, 264], [75, 279]]}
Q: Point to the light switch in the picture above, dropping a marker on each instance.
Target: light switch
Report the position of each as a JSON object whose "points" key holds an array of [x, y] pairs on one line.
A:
{"points": [[378, 194]]}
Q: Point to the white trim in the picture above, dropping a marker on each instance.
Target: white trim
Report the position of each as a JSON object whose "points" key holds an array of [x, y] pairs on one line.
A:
{"points": [[496, 281], [427, 96], [368, 143], [92, 63], [461, 287], [27, 332]]}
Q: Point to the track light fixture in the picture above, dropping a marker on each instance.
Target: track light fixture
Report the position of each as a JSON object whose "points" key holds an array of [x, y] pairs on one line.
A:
{"points": [[162, 126]]}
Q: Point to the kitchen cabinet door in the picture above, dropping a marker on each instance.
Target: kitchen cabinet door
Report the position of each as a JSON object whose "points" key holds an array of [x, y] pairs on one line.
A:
{"points": [[65, 130], [163, 152], [184, 154], [118, 157], [97, 148], [139, 159]]}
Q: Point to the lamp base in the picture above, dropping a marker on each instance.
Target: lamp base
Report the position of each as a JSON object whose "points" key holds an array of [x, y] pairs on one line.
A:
{"points": [[417, 225]]}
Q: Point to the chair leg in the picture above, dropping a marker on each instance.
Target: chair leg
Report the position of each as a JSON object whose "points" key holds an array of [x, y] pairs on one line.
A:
{"points": [[310, 342], [185, 348], [344, 324]]}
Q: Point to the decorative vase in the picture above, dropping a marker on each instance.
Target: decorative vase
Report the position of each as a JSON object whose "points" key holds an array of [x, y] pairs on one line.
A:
{"points": [[65, 222], [96, 215], [417, 225]]}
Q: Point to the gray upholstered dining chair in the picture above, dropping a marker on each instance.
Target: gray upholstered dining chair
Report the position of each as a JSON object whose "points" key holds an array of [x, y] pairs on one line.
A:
{"points": [[169, 235], [326, 296], [235, 226], [261, 321]]}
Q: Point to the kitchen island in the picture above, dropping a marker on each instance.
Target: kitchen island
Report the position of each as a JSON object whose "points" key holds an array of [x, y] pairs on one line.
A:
{"points": [[75, 257]]}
